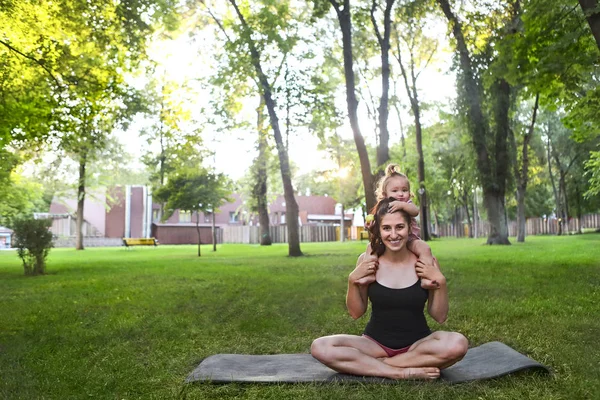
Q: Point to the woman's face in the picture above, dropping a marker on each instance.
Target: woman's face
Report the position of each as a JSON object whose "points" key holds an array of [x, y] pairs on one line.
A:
{"points": [[394, 231]]}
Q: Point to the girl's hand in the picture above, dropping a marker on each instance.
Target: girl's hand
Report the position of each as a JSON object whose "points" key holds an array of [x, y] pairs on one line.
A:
{"points": [[430, 271], [364, 273], [396, 205]]}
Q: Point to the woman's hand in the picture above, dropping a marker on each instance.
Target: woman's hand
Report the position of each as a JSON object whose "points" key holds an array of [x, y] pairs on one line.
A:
{"points": [[431, 271], [364, 273]]}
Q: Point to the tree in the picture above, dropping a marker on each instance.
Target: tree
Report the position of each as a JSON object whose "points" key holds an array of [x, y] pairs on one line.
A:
{"points": [[592, 13], [33, 241], [522, 173], [80, 53], [19, 198], [194, 190], [260, 166], [421, 50], [246, 40], [482, 74], [344, 15], [383, 154]]}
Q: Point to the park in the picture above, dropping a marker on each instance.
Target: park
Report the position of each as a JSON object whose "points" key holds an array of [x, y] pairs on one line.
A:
{"points": [[132, 324], [296, 199]]}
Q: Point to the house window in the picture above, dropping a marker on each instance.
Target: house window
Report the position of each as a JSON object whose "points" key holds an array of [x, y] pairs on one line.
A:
{"points": [[185, 216], [208, 216], [155, 215], [282, 218], [234, 217]]}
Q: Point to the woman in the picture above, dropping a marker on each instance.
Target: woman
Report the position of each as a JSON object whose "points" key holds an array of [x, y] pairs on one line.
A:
{"points": [[397, 342]]}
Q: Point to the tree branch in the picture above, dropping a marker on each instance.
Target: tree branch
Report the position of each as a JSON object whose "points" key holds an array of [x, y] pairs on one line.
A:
{"points": [[35, 60], [374, 22]]}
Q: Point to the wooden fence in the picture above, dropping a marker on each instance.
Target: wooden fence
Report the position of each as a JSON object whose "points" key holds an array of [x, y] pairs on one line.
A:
{"points": [[533, 226], [279, 234]]}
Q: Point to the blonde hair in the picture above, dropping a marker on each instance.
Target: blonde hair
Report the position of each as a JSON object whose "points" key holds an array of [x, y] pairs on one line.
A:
{"points": [[391, 171]]}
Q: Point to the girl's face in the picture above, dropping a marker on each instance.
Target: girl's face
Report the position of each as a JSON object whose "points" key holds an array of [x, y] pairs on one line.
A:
{"points": [[394, 231], [398, 188]]}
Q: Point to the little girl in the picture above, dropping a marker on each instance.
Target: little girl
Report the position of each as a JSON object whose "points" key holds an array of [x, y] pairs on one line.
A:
{"points": [[395, 184]]}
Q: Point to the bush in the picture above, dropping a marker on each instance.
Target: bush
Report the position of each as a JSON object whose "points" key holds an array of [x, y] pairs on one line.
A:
{"points": [[33, 240]]}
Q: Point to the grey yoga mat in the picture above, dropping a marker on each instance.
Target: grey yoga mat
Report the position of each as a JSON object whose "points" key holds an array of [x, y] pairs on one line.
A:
{"points": [[489, 360]]}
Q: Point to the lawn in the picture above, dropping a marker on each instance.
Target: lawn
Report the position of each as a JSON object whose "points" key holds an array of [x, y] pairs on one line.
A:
{"points": [[131, 324]]}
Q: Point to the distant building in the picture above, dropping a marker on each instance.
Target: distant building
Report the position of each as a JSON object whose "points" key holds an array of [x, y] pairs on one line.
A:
{"points": [[129, 211], [5, 237]]}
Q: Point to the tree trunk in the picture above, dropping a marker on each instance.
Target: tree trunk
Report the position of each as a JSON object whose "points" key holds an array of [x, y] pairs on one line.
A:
{"points": [[492, 170], [475, 215], [260, 186], [411, 91], [592, 14], [501, 164], [402, 140], [579, 210], [522, 175], [291, 205], [80, 201], [342, 225], [198, 231], [162, 164], [214, 230], [551, 175], [383, 151], [469, 221], [563, 185], [494, 204], [345, 21]]}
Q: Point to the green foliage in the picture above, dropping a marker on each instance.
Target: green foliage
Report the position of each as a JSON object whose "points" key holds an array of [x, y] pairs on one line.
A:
{"points": [[33, 240], [593, 171], [19, 197], [194, 190]]}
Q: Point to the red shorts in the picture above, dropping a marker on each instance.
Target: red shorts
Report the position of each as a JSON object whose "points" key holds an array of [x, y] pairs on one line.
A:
{"points": [[390, 352]]}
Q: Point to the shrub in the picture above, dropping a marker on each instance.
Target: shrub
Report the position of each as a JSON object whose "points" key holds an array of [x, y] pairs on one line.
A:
{"points": [[33, 240]]}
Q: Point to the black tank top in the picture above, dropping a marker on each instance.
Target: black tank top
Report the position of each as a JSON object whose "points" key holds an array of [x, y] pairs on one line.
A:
{"points": [[397, 317]]}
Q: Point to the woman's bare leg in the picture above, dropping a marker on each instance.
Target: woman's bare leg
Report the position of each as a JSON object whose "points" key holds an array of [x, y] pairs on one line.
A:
{"points": [[360, 356], [440, 349]]}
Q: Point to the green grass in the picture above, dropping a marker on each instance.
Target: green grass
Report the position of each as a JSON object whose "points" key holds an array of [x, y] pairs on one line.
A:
{"points": [[131, 324]]}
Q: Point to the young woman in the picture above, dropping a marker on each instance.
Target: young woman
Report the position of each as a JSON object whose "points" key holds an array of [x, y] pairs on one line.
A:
{"points": [[397, 342]]}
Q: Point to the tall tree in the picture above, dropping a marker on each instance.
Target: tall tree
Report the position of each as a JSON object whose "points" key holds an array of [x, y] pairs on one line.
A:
{"points": [[246, 37], [489, 133], [411, 22], [383, 154], [522, 173], [344, 16], [259, 191]]}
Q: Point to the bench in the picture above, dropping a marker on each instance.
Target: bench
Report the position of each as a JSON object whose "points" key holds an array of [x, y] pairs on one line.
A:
{"points": [[128, 242], [364, 235]]}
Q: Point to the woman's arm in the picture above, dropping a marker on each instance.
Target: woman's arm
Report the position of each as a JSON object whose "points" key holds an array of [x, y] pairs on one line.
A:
{"points": [[437, 304], [356, 296]]}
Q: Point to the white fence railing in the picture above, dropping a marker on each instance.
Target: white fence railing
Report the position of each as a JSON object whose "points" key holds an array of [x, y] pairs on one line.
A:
{"points": [[533, 226], [279, 234]]}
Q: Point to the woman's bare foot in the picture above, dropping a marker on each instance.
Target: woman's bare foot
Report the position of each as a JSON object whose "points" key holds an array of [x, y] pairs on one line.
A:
{"points": [[426, 373]]}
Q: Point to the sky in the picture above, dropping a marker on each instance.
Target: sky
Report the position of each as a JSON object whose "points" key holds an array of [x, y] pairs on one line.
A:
{"points": [[180, 60]]}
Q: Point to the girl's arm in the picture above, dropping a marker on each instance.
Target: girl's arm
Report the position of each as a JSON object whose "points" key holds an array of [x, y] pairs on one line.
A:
{"points": [[356, 296], [410, 208], [437, 304]]}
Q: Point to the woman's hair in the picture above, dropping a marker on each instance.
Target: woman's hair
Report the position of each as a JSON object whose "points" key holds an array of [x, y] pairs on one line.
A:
{"points": [[379, 211], [391, 171]]}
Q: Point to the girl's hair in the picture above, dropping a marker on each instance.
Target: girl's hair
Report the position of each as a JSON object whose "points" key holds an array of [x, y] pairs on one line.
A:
{"points": [[379, 211], [391, 171]]}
